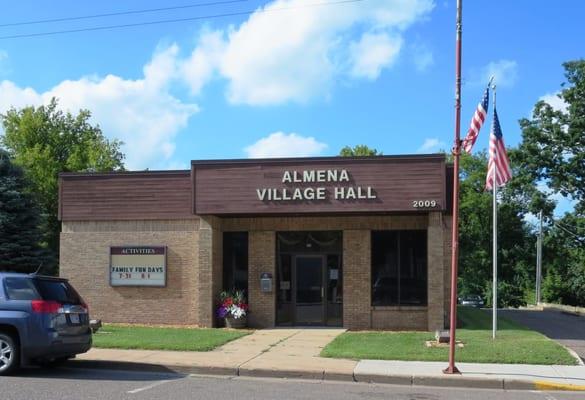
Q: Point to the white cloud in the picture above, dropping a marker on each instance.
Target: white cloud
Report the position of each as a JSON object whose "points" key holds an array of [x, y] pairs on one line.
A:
{"points": [[293, 50], [422, 57], [142, 112], [555, 101], [280, 144], [372, 53], [431, 145], [505, 73], [287, 51], [200, 67], [14, 96], [177, 165]]}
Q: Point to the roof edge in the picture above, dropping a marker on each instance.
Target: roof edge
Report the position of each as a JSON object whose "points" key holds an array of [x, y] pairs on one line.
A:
{"points": [[293, 160], [65, 175]]}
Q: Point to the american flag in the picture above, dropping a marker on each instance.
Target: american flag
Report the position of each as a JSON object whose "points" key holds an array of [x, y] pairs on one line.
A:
{"points": [[476, 122], [498, 157]]}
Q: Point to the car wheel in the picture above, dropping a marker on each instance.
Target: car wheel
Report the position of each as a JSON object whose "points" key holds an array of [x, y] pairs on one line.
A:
{"points": [[9, 356]]}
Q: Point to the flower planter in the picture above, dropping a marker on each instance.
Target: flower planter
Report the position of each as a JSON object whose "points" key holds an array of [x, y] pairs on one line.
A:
{"points": [[234, 323], [232, 308]]}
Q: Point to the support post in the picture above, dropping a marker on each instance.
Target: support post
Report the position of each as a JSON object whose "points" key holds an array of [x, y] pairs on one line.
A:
{"points": [[495, 249], [452, 369], [539, 259]]}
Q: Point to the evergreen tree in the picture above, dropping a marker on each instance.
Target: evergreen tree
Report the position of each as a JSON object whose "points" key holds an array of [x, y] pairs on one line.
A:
{"points": [[20, 235]]}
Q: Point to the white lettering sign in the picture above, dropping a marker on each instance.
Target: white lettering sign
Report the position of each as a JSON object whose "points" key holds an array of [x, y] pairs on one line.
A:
{"points": [[310, 193]]}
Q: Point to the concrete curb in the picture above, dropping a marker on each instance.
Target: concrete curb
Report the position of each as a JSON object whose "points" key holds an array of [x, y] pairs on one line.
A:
{"points": [[574, 354], [456, 381]]}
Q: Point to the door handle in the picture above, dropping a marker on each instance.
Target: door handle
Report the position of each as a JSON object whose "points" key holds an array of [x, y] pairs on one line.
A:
{"points": [[322, 292]]}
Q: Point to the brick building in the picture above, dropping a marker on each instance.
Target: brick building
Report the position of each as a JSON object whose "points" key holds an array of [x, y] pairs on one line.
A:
{"points": [[362, 243]]}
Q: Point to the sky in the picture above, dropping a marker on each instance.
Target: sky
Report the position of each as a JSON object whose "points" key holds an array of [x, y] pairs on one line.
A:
{"points": [[252, 78]]}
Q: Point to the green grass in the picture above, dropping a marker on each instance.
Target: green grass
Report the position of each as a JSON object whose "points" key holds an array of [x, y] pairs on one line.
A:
{"points": [[514, 344], [150, 338]]}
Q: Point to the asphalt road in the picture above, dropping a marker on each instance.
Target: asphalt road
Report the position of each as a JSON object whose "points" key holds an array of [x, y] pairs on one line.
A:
{"points": [[75, 383], [567, 329]]}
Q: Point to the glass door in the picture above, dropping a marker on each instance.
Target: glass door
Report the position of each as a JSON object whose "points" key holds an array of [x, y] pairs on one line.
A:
{"points": [[309, 290]]}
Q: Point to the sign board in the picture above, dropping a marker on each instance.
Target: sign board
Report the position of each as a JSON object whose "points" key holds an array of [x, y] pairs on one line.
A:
{"points": [[138, 266], [319, 185]]}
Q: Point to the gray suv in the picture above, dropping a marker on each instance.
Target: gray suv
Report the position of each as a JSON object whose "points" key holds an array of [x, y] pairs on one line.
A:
{"points": [[42, 319]]}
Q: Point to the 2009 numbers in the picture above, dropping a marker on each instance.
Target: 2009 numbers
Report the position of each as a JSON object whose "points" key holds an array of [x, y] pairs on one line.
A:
{"points": [[424, 203]]}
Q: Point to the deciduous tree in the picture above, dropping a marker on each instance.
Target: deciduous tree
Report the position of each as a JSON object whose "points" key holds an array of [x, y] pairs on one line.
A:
{"points": [[359, 150], [45, 141]]}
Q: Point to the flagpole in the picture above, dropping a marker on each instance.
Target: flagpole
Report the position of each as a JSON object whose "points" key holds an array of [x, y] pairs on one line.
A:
{"points": [[452, 369], [495, 241]]}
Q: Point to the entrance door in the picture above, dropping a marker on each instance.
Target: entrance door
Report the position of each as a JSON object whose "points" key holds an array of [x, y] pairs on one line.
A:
{"points": [[309, 292]]}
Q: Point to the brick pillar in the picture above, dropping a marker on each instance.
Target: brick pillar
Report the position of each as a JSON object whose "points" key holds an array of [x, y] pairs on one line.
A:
{"points": [[447, 223], [217, 269], [262, 258], [357, 285], [435, 277], [209, 273]]}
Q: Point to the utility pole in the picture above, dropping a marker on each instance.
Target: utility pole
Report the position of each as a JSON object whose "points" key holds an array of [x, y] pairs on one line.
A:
{"points": [[539, 259]]}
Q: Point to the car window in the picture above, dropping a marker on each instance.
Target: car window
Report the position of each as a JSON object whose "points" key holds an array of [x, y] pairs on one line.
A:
{"points": [[60, 291], [20, 289]]}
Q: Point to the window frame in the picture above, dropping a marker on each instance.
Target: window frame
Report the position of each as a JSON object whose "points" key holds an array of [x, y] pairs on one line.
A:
{"points": [[399, 266], [231, 286]]}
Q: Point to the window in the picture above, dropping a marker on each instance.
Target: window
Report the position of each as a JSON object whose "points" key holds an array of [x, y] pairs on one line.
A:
{"points": [[20, 289], [399, 268], [235, 261], [59, 291]]}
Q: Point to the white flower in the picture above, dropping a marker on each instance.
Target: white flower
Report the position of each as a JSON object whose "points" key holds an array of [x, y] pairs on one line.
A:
{"points": [[237, 312]]}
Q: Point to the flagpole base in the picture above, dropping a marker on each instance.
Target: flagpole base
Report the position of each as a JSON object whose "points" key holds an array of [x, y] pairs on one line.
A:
{"points": [[451, 370]]}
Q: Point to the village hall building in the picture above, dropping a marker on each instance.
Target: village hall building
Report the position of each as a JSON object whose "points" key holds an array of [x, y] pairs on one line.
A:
{"points": [[358, 242]]}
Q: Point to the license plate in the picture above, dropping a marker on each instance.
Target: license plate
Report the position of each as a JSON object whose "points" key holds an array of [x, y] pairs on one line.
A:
{"points": [[74, 318]]}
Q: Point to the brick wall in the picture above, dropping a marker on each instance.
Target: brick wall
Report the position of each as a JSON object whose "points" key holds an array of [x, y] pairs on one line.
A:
{"points": [[435, 275], [357, 281], [195, 268], [357, 310], [209, 269], [85, 261], [447, 224], [261, 258], [400, 318]]}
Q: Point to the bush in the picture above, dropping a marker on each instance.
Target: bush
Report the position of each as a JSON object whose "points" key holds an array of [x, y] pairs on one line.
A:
{"points": [[509, 295], [554, 288]]}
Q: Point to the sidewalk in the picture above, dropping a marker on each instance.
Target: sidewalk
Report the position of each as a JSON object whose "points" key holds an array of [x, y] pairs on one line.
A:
{"points": [[294, 353]]}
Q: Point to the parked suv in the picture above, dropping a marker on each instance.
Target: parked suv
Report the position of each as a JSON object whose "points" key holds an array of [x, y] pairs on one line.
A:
{"points": [[42, 319]]}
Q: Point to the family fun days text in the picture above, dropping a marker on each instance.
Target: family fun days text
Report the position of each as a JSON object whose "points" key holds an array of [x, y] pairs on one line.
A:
{"points": [[318, 192]]}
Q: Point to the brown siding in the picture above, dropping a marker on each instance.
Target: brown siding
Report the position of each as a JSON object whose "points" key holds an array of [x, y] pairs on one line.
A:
{"points": [[125, 196], [229, 188]]}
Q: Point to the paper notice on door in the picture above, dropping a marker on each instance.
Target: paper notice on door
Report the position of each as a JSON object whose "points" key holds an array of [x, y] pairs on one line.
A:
{"points": [[333, 274]]}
